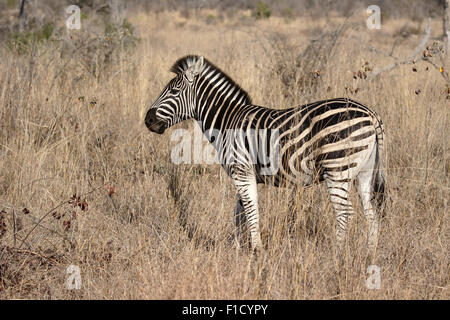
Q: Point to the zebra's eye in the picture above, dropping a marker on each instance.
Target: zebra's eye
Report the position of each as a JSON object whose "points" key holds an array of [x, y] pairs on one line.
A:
{"points": [[174, 91]]}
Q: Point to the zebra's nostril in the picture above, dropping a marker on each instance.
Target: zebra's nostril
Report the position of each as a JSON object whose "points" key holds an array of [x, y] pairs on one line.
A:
{"points": [[150, 117], [153, 123]]}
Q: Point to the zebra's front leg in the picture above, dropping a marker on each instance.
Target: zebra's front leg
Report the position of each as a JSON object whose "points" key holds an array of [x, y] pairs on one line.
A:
{"points": [[248, 194], [240, 220]]}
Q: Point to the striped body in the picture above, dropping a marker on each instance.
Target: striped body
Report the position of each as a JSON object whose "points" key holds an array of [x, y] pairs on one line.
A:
{"points": [[336, 141], [318, 140]]}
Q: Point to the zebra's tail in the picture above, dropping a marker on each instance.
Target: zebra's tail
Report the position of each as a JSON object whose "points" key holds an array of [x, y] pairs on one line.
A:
{"points": [[379, 181]]}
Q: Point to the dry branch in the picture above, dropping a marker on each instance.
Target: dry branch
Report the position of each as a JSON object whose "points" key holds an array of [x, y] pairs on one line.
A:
{"points": [[48, 213], [408, 60]]}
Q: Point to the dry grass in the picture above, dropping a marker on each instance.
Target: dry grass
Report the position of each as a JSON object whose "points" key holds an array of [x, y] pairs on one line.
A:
{"points": [[147, 229]]}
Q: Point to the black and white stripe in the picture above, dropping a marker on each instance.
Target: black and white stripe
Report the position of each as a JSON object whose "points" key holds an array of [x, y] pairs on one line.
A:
{"points": [[337, 141]]}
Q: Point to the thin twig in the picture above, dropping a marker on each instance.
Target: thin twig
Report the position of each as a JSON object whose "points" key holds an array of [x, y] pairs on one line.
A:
{"points": [[36, 254], [14, 226]]}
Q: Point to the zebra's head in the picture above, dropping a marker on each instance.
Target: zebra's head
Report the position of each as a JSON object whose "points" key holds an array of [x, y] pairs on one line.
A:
{"points": [[176, 102]]}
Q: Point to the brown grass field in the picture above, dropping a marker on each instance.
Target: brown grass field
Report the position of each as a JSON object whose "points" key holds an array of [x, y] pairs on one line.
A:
{"points": [[140, 227]]}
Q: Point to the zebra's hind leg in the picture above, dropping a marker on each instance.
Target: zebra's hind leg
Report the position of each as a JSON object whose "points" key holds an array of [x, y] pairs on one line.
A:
{"points": [[342, 206], [240, 221], [365, 186]]}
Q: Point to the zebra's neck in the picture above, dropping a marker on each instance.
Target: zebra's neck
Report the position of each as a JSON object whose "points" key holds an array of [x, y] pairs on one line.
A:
{"points": [[217, 97]]}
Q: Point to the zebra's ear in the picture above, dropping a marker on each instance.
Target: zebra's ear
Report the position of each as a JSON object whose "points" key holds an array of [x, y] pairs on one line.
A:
{"points": [[194, 70], [198, 67]]}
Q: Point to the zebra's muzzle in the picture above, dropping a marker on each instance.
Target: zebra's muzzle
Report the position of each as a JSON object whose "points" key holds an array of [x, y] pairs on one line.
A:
{"points": [[153, 123]]}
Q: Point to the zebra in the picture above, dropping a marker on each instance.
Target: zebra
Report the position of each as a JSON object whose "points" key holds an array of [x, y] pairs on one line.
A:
{"points": [[336, 141]]}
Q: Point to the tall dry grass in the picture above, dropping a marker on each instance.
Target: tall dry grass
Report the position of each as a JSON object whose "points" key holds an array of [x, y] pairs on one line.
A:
{"points": [[82, 181]]}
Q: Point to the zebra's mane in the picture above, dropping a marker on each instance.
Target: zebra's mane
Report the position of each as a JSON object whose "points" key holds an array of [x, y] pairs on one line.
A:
{"points": [[184, 63]]}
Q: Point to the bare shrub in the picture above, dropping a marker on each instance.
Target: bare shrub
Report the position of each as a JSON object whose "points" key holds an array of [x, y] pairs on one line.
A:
{"points": [[300, 72]]}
